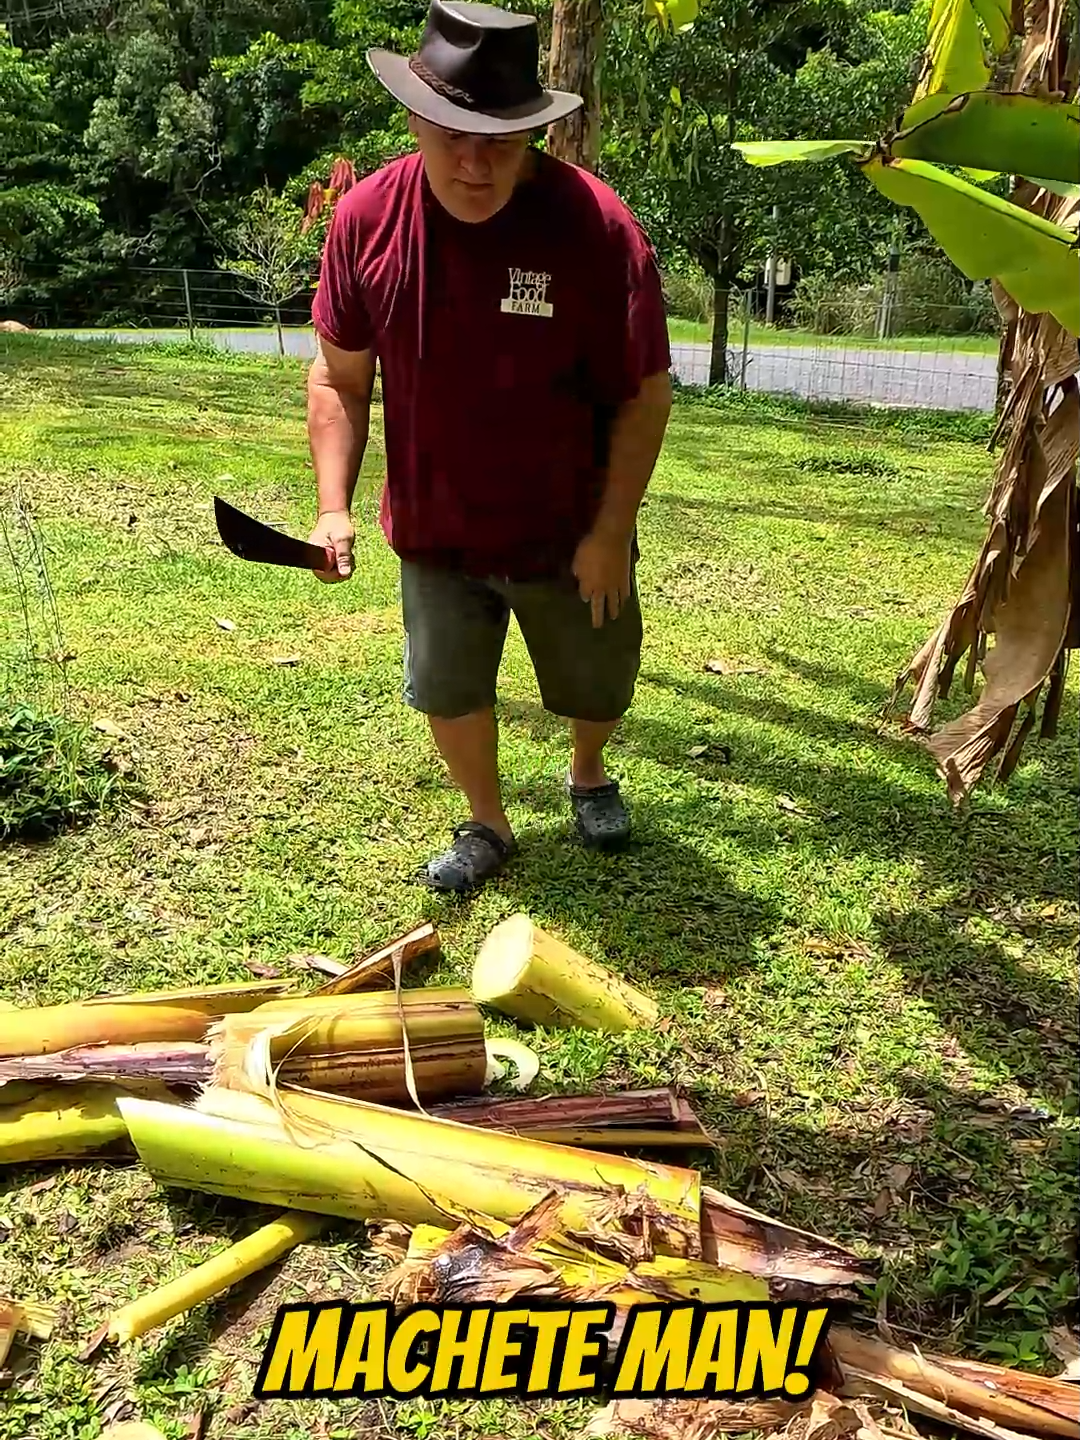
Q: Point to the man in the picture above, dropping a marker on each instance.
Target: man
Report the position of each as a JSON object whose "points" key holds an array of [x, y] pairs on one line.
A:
{"points": [[514, 306]]}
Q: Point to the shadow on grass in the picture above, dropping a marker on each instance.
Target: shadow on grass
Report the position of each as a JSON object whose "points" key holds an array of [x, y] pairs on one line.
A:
{"points": [[966, 1202], [995, 1005], [831, 677], [682, 917], [726, 700]]}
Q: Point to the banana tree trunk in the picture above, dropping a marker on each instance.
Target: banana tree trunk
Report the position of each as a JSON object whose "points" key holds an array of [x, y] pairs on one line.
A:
{"points": [[1022, 590], [574, 65]]}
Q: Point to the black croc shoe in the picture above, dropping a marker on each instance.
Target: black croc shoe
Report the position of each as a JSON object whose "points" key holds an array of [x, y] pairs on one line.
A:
{"points": [[476, 855], [601, 817]]}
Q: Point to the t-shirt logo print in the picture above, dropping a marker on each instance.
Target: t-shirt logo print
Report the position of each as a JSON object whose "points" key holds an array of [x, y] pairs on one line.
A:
{"points": [[528, 293]]}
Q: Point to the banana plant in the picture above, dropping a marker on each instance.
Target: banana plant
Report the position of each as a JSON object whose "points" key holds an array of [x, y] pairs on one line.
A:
{"points": [[1018, 615], [953, 121]]}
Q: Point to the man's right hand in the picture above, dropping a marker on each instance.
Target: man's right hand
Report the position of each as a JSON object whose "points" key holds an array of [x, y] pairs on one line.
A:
{"points": [[334, 531]]}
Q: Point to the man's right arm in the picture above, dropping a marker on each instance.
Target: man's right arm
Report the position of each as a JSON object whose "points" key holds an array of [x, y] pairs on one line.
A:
{"points": [[340, 383]]}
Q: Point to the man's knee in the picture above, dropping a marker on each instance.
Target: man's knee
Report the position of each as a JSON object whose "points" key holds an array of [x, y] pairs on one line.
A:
{"points": [[585, 673]]}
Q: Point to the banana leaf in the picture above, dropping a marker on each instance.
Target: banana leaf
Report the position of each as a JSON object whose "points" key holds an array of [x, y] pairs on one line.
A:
{"points": [[782, 152], [1002, 19], [995, 132], [955, 59], [1034, 260]]}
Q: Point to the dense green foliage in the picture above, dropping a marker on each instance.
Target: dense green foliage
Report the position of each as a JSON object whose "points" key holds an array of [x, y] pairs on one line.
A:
{"points": [[749, 69], [167, 121], [135, 145], [52, 776], [949, 154]]}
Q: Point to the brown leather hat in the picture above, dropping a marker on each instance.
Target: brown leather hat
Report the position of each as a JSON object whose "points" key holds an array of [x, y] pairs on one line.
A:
{"points": [[476, 71]]}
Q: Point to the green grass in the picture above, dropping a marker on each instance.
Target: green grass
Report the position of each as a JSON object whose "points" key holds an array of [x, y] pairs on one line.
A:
{"points": [[695, 332], [861, 985]]}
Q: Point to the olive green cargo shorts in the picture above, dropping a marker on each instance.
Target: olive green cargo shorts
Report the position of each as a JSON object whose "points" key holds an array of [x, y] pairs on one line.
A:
{"points": [[455, 630]]}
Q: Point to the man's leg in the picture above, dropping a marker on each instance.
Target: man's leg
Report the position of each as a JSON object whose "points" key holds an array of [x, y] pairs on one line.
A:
{"points": [[588, 675], [587, 765], [455, 628], [469, 745]]}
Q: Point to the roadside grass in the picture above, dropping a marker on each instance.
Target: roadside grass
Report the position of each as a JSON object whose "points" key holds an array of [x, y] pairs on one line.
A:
{"points": [[696, 332], [870, 998]]}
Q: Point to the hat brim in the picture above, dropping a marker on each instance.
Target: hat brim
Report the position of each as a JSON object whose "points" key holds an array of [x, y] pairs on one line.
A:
{"points": [[394, 74]]}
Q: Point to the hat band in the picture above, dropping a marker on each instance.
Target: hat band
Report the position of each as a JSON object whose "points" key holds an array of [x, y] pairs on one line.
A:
{"points": [[439, 85]]}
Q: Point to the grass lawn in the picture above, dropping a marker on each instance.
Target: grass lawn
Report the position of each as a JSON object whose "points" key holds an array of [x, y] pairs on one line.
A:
{"points": [[694, 332], [870, 998]]}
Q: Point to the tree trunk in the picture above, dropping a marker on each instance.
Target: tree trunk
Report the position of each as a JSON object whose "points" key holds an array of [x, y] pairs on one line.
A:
{"points": [[280, 333], [574, 65], [718, 366]]}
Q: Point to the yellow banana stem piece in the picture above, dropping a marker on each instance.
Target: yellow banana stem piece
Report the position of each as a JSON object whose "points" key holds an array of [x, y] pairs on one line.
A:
{"points": [[246, 1257]]}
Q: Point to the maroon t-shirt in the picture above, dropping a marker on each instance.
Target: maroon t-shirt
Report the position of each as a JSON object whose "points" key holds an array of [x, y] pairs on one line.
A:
{"points": [[504, 348]]}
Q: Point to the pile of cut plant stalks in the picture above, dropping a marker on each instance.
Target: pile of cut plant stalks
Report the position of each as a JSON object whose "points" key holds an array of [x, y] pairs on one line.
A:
{"points": [[364, 1098]]}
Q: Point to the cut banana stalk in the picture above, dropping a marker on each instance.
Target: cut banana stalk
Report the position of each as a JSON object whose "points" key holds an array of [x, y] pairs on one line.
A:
{"points": [[526, 973]]}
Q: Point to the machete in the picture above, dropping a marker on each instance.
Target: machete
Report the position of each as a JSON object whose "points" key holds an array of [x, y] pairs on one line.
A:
{"points": [[252, 540]]}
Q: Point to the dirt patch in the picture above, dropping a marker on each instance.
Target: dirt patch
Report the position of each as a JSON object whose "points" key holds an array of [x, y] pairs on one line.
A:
{"points": [[344, 627], [159, 518], [693, 582], [193, 766], [325, 1270], [122, 1254], [251, 1306]]}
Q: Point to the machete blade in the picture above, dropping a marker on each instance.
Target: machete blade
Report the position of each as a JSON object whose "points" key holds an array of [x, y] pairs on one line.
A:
{"points": [[250, 539]]}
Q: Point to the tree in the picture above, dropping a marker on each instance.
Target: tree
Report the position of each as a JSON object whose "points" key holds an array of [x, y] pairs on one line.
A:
{"points": [[580, 30], [577, 39], [161, 140], [36, 200], [680, 104], [272, 255]]}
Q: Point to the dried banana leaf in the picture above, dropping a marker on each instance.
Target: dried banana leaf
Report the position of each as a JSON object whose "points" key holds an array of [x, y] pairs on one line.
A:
{"points": [[628, 1119], [181, 1063], [794, 1261], [1058, 1396], [686, 1419]]}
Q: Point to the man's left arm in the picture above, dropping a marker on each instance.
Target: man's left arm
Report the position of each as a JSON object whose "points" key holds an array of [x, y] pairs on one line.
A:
{"points": [[637, 362], [602, 563]]}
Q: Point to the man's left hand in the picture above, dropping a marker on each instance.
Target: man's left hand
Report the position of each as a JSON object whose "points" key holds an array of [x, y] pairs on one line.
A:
{"points": [[602, 569]]}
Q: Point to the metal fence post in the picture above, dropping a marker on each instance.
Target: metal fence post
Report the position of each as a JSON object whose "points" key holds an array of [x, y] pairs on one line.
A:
{"points": [[888, 294], [190, 312], [770, 273]]}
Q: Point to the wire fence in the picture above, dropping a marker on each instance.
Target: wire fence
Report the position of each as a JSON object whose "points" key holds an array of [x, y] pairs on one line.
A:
{"points": [[128, 297], [849, 350]]}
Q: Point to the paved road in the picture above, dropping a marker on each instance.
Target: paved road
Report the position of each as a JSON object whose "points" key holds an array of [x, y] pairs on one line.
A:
{"points": [[940, 380], [944, 380]]}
